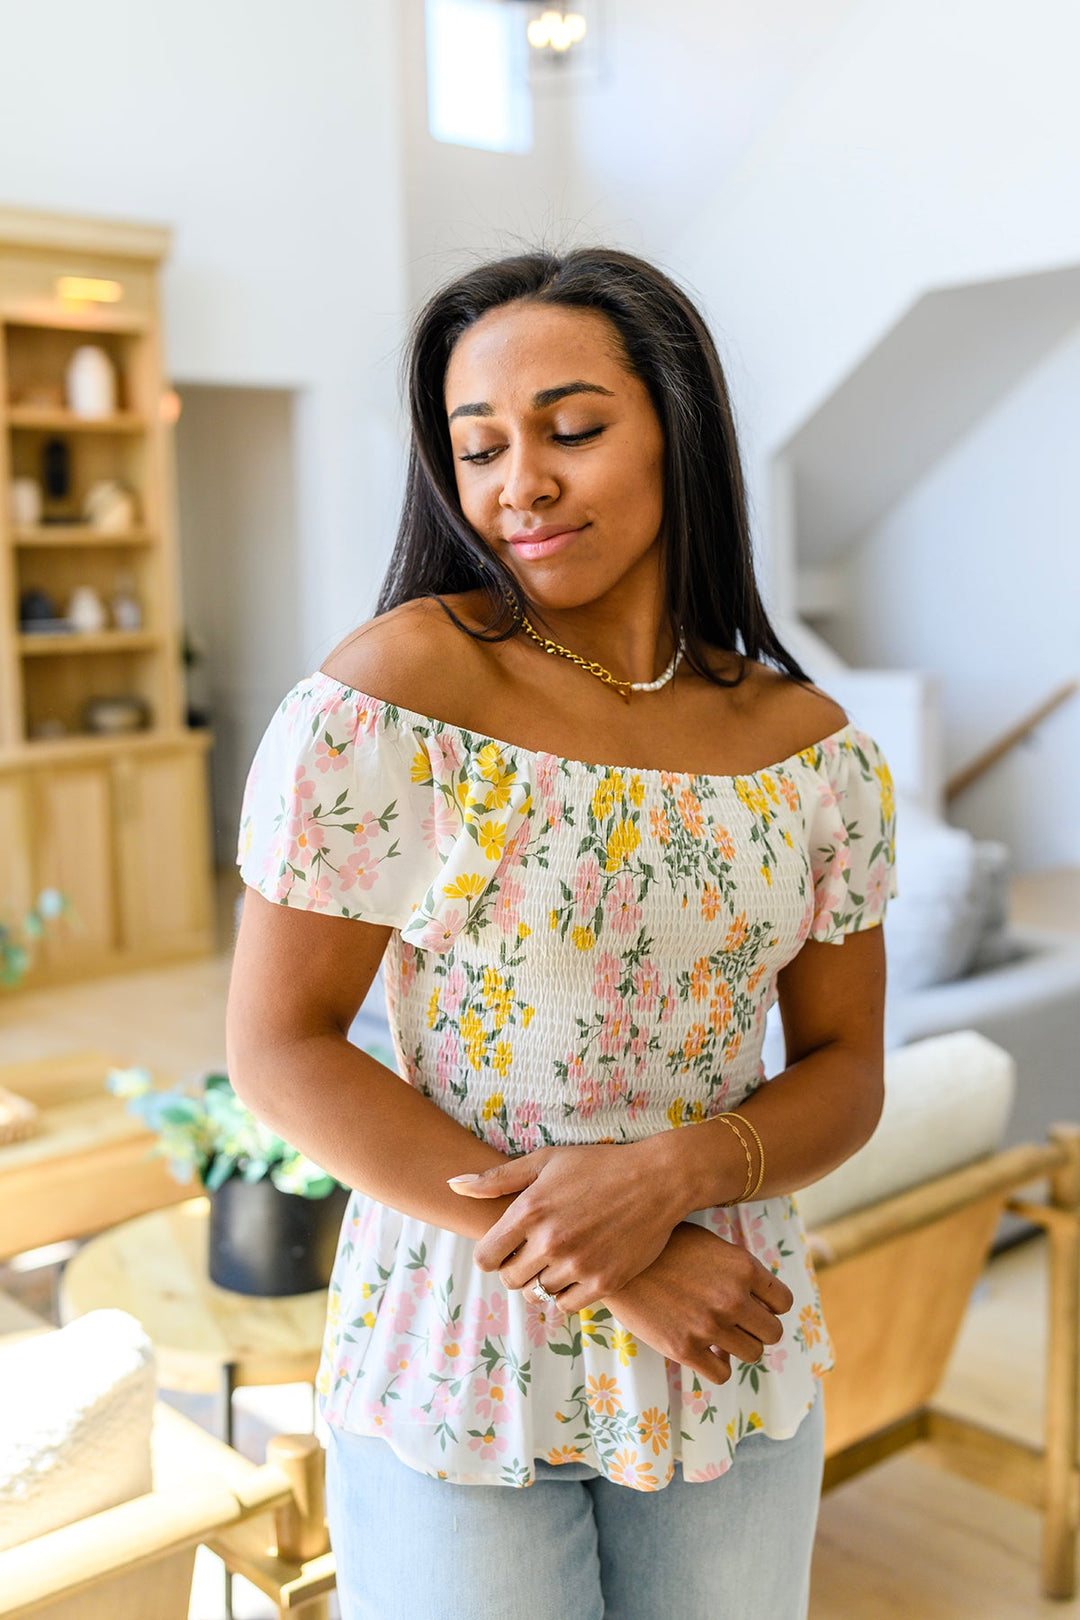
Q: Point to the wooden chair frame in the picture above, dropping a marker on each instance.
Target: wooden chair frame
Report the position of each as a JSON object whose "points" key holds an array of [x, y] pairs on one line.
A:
{"points": [[135, 1560], [895, 1281]]}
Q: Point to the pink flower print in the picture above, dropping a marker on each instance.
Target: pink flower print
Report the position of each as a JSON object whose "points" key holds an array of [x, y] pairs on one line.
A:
{"points": [[696, 1401], [753, 1233], [444, 1403], [542, 1322], [421, 1282], [638, 1047], [330, 756], [497, 1137], [445, 753], [528, 1138], [775, 1356], [448, 1354], [587, 886], [320, 895], [771, 1257], [711, 1470], [440, 932], [621, 906], [447, 1060], [667, 1005], [646, 987], [547, 771], [607, 977], [407, 971], [453, 989], [575, 1068], [590, 1097], [495, 1400], [528, 1113], [488, 1444], [307, 842], [399, 1361], [377, 1416], [506, 914], [554, 814], [491, 1316], [440, 828], [515, 849], [359, 868], [636, 1102], [366, 719], [876, 884], [615, 1031]]}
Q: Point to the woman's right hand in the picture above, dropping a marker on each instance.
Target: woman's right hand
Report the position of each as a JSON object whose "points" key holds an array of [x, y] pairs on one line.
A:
{"points": [[702, 1301]]}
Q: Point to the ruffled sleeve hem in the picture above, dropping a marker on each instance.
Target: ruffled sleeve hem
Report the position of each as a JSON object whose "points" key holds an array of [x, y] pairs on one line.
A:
{"points": [[852, 836]]}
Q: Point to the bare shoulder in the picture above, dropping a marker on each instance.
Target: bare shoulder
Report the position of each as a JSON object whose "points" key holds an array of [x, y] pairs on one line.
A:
{"points": [[414, 656], [797, 714]]}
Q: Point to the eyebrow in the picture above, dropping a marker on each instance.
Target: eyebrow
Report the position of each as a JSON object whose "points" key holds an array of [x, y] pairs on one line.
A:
{"points": [[546, 397]]}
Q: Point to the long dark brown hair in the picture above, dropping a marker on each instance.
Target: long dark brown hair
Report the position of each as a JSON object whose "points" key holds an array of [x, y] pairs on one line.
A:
{"points": [[712, 596]]}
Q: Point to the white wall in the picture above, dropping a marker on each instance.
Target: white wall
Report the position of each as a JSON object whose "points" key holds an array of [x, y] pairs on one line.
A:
{"points": [[926, 145], [976, 576], [267, 136]]}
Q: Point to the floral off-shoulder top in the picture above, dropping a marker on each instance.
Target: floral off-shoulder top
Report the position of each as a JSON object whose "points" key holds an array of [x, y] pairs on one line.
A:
{"points": [[580, 953]]}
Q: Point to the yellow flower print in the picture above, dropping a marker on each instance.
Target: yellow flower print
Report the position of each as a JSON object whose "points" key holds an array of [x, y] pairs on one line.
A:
{"points": [[322, 1383], [502, 1007], [589, 1328], [622, 842], [770, 787], [603, 799], [637, 790], [655, 1429], [554, 918], [524, 930], [492, 835], [527, 1016], [421, 767], [499, 793], [583, 938], [884, 776], [766, 874], [493, 1105], [503, 1058], [787, 839], [604, 1395], [433, 1009], [333, 1309], [493, 983], [369, 1319], [624, 1344], [475, 1037], [753, 1422], [466, 887], [489, 761], [367, 1290], [675, 1113]]}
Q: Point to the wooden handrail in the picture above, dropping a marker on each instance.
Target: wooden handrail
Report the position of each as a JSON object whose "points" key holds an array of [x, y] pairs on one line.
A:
{"points": [[990, 756]]}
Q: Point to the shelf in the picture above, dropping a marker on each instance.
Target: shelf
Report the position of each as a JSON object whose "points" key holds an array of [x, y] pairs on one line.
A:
{"points": [[33, 418], [107, 321], [90, 745], [81, 534], [75, 641]]}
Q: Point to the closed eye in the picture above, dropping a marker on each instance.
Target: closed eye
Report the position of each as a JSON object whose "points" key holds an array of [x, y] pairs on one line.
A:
{"points": [[483, 456]]}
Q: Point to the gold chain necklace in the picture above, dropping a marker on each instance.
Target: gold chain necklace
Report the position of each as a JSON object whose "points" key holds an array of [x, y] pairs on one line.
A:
{"points": [[624, 688]]}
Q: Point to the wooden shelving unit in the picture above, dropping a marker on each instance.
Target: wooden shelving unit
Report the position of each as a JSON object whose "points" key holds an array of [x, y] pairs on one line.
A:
{"points": [[118, 823]]}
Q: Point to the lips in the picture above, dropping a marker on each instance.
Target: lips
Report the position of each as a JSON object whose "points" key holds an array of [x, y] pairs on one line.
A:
{"points": [[544, 542]]}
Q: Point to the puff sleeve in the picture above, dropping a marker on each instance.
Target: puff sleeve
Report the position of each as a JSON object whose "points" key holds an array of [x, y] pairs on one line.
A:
{"points": [[354, 808], [852, 836]]}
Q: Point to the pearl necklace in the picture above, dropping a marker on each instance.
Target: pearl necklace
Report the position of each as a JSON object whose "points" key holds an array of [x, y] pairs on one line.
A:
{"points": [[624, 688]]}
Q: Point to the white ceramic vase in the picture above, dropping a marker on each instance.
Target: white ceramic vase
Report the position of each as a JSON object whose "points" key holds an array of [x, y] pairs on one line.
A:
{"points": [[90, 382], [86, 610]]}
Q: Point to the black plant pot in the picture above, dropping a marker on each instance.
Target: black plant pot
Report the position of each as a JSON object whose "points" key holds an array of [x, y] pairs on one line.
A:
{"points": [[267, 1242]]}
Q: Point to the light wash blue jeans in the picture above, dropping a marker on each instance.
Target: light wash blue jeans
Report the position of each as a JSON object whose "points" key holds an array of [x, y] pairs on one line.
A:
{"points": [[573, 1546]]}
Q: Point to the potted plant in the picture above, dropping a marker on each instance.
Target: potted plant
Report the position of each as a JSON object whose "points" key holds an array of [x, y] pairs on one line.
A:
{"points": [[17, 948], [274, 1215]]}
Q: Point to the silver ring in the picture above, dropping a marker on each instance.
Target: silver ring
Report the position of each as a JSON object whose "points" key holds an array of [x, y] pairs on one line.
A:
{"points": [[541, 1294]]}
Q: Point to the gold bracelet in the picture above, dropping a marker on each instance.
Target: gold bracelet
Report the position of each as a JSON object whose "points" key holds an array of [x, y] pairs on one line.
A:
{"points": [[761, 1150], [727, 1119]]}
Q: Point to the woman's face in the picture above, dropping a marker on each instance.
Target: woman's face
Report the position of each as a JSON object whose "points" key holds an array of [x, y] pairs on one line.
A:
{"points": [[558, 452]]}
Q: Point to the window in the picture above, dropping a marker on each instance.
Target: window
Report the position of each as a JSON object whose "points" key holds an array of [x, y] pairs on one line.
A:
{"points": [[478, 90]]}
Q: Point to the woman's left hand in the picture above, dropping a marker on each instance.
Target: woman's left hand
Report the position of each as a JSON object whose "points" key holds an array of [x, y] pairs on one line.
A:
{"points": [[586, 1219]]}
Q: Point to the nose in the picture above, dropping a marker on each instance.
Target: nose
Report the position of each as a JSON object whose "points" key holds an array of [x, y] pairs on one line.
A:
{"points": [[527, 481]]}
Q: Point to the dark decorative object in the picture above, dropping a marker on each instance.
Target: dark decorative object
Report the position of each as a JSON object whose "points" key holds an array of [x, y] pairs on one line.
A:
{"points": [[38, 611], [56, 470], [267, 1242]]}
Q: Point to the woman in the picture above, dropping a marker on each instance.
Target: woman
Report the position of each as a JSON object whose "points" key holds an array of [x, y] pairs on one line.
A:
{"points": [[571, 788]]}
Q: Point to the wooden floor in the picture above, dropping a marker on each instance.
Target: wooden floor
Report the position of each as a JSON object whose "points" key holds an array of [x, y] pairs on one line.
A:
{"points": [[903, 1542]]}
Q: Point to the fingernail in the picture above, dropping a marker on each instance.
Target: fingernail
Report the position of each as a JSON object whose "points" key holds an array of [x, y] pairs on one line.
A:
{"points": [[450, 1180]]}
